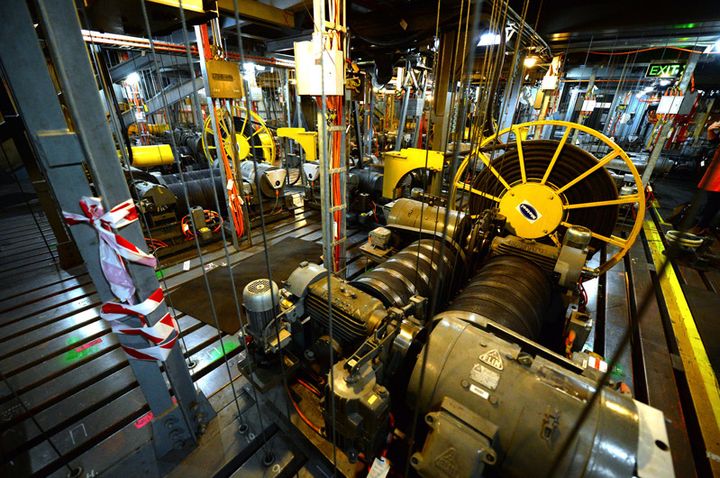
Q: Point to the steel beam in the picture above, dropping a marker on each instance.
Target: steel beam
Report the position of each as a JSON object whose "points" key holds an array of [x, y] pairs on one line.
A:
{"points": [[510, 101], [138, 63], [285, 44], [173, 93], [254, 10], [443, 93], [63, 153]]}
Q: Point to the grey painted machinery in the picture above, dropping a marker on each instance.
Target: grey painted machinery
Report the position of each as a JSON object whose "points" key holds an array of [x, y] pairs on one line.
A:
{"points": [[490, 399]]}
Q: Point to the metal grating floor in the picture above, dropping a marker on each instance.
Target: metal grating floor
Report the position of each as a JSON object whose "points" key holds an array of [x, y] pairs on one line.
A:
{"points": [[61, 364]]}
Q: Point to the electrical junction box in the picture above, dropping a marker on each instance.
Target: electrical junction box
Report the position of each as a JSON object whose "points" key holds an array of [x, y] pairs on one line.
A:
{"points": [[380, 237], [670, 105], [313, 75], [224, 79], [549, 82]]}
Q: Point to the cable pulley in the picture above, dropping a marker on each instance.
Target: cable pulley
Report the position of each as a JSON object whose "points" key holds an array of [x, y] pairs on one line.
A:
{"points": [[543, 187]]}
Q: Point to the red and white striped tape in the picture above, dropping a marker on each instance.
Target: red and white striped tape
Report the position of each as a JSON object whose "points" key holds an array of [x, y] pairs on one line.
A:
{"points": [[113, 247], [163, 334]]}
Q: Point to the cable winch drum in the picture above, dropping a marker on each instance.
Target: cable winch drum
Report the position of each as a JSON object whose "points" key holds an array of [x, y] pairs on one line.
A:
{"points": [[431, 219], [200, 193], [510, 291], [416, 270], [537, 155]]}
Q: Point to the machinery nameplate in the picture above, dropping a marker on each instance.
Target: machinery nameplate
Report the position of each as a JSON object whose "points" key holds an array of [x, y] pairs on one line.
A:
{"points": [[224, 79]]}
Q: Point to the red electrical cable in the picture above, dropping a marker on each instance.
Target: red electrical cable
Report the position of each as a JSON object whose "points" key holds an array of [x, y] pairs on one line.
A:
{"points": [[312, 389], [302, 416]]}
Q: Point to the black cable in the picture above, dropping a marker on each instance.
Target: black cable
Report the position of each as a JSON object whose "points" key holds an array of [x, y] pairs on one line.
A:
{"points": [[262, 214]]}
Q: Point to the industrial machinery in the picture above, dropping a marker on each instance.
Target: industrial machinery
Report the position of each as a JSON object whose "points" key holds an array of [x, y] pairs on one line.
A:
{"points": [[488, 381], [252, 137]]}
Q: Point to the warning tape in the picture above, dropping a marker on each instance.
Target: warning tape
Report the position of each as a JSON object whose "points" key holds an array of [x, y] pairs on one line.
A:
{"points": [[113, 248], [163, 334]]}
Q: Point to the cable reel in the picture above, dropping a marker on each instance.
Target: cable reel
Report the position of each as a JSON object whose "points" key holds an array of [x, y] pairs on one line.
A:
{"points": [[544, 187], [254, 139]]}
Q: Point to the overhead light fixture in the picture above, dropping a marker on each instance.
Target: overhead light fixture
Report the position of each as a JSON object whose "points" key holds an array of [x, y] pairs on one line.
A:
{"points": [[133, 78], [714, 47], [665, 82], [489, 38], [530, 61]]}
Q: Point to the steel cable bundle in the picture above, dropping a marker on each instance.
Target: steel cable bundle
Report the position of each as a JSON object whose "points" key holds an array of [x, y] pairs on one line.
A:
{"points": [[572, 162]]}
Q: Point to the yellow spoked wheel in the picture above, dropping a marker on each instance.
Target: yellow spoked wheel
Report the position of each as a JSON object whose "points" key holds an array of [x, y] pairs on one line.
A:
{"points": [[544, 187], [252, 136]]}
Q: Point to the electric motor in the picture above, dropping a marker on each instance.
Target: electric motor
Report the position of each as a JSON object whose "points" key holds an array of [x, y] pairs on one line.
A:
{"points": [[495, 400], [355, 313], [272, 179], [430, 219], [156, 202], [261, 300]]}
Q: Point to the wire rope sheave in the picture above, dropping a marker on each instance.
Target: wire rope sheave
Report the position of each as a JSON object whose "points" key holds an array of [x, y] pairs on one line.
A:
{"points": [[253, 138], [544, 187]]}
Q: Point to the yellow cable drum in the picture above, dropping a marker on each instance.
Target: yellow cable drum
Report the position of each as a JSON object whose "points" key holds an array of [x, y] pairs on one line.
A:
{"points": [[252, 136], [152, 155], [544, 187]]}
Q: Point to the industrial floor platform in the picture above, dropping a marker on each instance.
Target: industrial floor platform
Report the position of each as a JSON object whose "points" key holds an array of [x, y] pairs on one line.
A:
{"points": [[69, 398], [66, 380]]}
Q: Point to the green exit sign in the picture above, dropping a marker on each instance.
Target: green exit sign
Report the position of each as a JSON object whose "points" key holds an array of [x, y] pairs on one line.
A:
{"points": [[665, 69]]}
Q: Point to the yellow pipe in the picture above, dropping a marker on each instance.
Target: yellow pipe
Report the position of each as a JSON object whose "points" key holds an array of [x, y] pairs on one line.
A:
{"points": [[152, 155]]}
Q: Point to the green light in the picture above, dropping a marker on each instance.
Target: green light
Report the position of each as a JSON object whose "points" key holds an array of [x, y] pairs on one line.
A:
{"points": [[160, 273], [216, 353], [84, 350], [685, 26]]}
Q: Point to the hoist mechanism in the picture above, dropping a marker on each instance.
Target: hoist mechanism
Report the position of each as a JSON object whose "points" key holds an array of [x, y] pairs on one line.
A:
{"points": [[464, 323], [544, 187], [253, 139]]}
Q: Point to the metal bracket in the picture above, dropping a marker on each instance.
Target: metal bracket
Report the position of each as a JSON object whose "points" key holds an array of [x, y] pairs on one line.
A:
{"points": [[308, 140], [400, 163]]}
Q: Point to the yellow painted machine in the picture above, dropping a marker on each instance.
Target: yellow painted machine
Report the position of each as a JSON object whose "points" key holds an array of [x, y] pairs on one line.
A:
{"points": [[152, 155], [398, 164], [253, 139], [545, 187]]}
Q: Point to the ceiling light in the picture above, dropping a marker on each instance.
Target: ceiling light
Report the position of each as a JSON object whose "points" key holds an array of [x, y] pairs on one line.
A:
{"points": [[133, 78], [665, 82], [489, 38], [714, 47], [530, 61]]}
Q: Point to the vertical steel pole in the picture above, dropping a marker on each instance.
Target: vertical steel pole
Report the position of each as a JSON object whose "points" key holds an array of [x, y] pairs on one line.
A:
{"points": [[403, 114], [512, 98], [62, 154], [667, 127]]}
